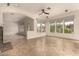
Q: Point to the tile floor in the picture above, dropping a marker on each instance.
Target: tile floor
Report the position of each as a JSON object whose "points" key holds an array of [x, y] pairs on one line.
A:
{"points": [[44, 46]]}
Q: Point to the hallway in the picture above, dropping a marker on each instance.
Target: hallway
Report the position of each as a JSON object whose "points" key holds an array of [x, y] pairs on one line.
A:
{"points": [[44, 46]]}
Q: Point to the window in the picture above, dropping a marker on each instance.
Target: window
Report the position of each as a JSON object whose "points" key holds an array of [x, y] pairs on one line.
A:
{"points": [[68, 26], [41, 27], [59, 26], [52, 27]]}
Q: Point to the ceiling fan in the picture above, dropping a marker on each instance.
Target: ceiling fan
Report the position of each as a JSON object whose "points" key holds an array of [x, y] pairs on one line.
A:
{"points": [[44, 12]]}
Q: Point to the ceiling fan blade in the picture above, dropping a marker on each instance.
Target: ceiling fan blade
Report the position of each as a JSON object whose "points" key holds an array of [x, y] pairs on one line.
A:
{"points": [[46, 13], [43, 11]]}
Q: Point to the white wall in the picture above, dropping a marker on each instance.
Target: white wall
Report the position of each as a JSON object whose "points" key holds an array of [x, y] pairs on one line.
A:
{"points": [[10, 27], [32, 34], [1, 19], [74, 35], [10, 22]]}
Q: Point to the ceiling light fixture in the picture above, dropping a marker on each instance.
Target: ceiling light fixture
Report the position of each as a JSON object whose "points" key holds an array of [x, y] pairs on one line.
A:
{"points": [[45, 12]]}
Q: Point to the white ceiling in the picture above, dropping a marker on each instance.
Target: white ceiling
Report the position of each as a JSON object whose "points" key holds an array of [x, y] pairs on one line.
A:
{"points": [[56, 8]]}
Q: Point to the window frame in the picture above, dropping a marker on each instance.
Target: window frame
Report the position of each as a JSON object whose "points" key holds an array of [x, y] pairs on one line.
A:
{"points": [[54, 26], [62, 20], [41, 28]]}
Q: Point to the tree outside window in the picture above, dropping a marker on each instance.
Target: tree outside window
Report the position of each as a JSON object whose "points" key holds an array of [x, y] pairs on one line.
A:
{"points": [[59, 26], [52, 27]]}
